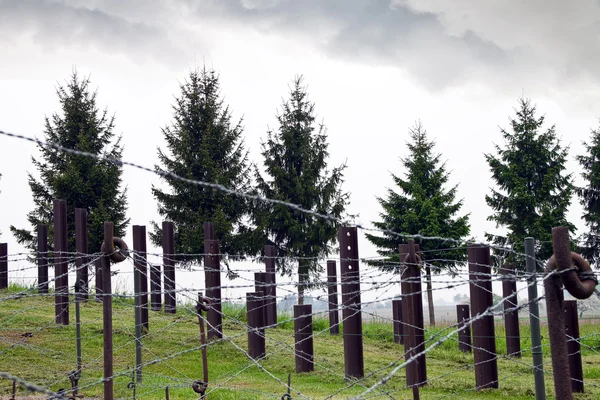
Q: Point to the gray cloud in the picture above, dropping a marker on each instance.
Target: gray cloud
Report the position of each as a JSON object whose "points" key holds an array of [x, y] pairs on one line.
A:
{"points": [[441, 42], [60, 24], [538, 44]]}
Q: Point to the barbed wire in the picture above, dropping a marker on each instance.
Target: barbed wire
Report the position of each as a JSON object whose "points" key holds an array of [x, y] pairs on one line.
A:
{"points": [[373, 281]]}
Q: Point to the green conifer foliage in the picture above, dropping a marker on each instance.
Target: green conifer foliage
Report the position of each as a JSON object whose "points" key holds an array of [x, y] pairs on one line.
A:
{"points": [[296, 171], [84, 182], [204, 144], [533, 190]]}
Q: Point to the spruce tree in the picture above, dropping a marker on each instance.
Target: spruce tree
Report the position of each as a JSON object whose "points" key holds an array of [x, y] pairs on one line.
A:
{"points": [[421, 205], [296, 171], [204, 144], [589, 197], [534, 192], [83, 181]]}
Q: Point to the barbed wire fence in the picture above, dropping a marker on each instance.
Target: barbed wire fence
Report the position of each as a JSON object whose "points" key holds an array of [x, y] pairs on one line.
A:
{"points": [[251, 348]]}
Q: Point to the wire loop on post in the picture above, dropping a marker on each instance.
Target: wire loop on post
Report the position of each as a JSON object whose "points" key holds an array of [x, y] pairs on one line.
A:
{"points": [[203, 304], [117, 252], [581, 282]]}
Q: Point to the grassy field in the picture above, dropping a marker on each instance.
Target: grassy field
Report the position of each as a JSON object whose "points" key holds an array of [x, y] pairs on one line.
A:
{"points": [[35, 349]]}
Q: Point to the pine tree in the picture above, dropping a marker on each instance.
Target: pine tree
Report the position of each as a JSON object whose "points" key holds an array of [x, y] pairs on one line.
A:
{"points": [[204, 145], [84, 182], [295, 162], [534, 191], [589, 198], [421, 206]]}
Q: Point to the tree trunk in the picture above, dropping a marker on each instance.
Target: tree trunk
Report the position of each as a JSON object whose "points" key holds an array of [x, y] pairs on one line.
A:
{"points": [[430, 295]]}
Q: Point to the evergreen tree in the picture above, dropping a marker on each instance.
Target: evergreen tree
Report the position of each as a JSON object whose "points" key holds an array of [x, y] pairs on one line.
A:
{"points": [[534, 191], [421, 206], [295, 161], [204, 145], [589, 197], [84, 182]]}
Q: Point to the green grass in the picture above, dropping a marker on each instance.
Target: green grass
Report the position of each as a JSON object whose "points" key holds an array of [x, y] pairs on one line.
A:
{"points": [[171, 350]]}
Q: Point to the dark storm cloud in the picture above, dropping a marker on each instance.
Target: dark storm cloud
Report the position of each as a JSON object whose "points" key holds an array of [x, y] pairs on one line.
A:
{"points": [[55, 24]]}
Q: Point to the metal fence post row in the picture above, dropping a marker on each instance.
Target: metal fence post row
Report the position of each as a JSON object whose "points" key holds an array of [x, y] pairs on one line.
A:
{"points": [[511, 315], [332, 297], [351, 312], [484, 337], [61, 265]]}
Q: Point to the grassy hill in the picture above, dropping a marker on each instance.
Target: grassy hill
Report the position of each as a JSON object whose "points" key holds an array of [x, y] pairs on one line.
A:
{"points": [[35, 349]]}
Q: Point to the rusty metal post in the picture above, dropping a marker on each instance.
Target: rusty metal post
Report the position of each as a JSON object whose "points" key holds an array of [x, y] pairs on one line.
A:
{"points": [[408, 317], [137, 284], [351, 303], [511, 315], [98, 273], [3, 265], [271, 288], [573, 345], [412, 313], [81, 246], [398, 324], [556, 330], [202, 306], [141, 265], [107, 249], [61, 266], [109, 253], [212, 276], [168, 243], [260, 283], [155, 287], [256, 332], [418, 290], [332, 289], [303, 338], [78, 338], [581, 283], [464, 334], [534, 320], [484, 337], [42, 258], [209, 231]]}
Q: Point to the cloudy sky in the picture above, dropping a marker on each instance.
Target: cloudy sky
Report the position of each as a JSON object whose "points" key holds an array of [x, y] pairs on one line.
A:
{"points": [[373, 67]]}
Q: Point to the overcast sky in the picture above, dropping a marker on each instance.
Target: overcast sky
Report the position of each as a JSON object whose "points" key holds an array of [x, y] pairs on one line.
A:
{"points": [[373, 67]]}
